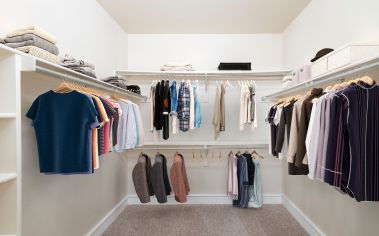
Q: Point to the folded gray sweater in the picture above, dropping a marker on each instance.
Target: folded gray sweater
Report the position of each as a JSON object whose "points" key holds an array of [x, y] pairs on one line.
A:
{"points": [[70, 62], [31, 40]]}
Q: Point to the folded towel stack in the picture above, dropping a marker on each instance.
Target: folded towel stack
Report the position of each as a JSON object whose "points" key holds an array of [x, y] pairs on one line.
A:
{"points": [[78, 66], [177, 67], [287, 82], [35, 41]]}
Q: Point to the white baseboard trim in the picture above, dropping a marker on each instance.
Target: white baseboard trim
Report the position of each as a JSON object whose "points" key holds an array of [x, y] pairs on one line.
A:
{"points": [[205, 199], [303, 220], [108, 219]]}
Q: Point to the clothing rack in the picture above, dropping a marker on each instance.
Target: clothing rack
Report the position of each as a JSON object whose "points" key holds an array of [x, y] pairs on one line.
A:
{"points": [[206, 75], [87, 81], [340, 74], [200, 146]]}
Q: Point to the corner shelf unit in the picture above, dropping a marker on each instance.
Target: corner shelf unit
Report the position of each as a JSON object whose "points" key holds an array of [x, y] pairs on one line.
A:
{"points": [[339, 74], [16, 66]]}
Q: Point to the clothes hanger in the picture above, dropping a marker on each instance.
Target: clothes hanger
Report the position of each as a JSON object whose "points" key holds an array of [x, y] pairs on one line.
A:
{"points": [[254, 84], [63, 87], [254, 152], [229, 84], [337, 87], [368, 80]]}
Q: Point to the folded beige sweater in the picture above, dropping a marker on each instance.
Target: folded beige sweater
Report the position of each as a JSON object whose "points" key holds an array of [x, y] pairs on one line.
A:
{"points": [[34, 30], [40, 53]]}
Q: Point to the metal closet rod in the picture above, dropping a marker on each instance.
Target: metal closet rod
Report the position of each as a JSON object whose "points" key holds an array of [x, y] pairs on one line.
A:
{"points": [[94, 83], [204, 147]]}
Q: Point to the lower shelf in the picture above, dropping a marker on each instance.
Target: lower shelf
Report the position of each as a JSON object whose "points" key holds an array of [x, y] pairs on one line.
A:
{"points": [[7, 115], [5, 177]]}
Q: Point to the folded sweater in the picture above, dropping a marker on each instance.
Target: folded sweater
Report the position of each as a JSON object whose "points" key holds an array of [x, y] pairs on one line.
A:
{"points": [[71, 62], [85, 70], [34, 30], [40, 53], [31, 40]]}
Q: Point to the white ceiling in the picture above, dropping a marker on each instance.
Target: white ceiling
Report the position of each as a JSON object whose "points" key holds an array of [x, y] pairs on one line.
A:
{"points": [[203, 16]]}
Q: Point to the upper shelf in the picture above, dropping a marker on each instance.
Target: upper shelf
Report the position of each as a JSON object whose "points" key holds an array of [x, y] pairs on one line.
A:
{"points": [[330, 77], [206, 74], [44, 67]]}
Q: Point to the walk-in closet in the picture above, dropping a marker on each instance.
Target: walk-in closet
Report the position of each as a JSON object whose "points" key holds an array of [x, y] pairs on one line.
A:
{"points": [[209, 118]]}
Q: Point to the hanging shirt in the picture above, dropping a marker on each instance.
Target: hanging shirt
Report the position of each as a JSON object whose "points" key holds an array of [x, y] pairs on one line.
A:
{"points": [[95, 151], [311, 141], [158, 108], [131, 131], [360, 177], [184, 107], [232, 176], [152, 107], [192, 107], [121, 129], [222, 108], [174, 107], [140, 129], [305, 115], [217, 112], [166, 109], [62, 123], [197, 105], [110, 112], [255, 191]]}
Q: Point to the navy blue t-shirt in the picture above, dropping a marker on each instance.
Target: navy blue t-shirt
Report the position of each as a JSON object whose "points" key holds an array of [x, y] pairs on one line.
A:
{"points": [[62, 122]]}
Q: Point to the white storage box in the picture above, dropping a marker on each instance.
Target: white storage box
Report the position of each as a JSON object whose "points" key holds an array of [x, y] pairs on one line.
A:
{"points": [[351, 53], [343, 56], [295, 77], [319, 67], [305, 73]]}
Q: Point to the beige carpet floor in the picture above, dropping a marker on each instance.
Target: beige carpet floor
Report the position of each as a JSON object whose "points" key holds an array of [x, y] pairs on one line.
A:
{"points": [[199, 220]]}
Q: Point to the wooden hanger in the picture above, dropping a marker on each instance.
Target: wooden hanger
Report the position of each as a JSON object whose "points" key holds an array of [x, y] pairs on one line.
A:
{"points": [[64, 87], [254, 152], [336, 87], [367, 80]]}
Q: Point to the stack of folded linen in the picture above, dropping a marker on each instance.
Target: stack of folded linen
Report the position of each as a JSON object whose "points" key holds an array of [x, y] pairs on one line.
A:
{"points": [[177, 67], [78, 66], [287, 82], [119, 82], [35, 41]]}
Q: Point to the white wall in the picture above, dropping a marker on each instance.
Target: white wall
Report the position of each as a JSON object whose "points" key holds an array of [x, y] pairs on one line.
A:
{"points": [[83, 29], [57, 204], [326, 23], [204, 52], [331, 24], [149, 52]]}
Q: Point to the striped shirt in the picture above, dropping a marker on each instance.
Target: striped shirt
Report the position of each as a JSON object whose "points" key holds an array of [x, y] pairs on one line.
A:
{"points": [[360, 164], [184, 107]]}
